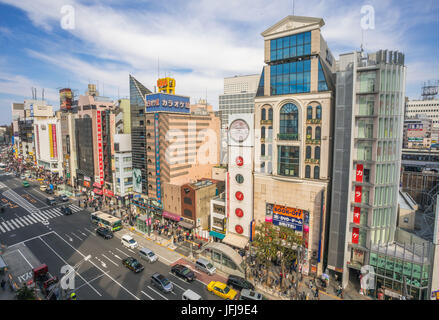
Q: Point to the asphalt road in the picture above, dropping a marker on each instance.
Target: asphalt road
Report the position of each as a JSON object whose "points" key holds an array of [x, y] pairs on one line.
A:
{"points": [[37, 233]]}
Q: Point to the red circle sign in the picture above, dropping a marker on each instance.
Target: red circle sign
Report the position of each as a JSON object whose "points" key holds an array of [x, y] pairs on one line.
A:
{"points": [[239, 212], [239, 229], [239, 195], [239, 161]]}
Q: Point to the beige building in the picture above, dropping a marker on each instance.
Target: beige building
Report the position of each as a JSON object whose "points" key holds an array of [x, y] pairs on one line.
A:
{"points": [[293, 133]]}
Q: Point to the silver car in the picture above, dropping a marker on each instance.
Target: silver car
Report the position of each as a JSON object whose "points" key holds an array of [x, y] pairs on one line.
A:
{"points": [[159, 281], [148, 255]]}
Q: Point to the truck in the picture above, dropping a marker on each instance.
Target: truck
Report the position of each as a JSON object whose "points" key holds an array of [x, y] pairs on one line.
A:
{"points": [[43, 281]]}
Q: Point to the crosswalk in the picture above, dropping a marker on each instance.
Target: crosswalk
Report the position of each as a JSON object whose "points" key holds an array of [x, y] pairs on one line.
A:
{"points": [[2, 185], [24, 221]]}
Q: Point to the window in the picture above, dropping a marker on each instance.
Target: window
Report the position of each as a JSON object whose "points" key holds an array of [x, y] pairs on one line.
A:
{"points": [[316, 172], [263, 132], [289, 121], [318, 112], [187, 213], [270, 114], [309, 113], [309, 133], [317, 153], [318, 133], [262, 114], [308, 152], [323, 86], [290, 46], [308, 172], [262, 150], [291, 77], [187, 200], [288, 161]]}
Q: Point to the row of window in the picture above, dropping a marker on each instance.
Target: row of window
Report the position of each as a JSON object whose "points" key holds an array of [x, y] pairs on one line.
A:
{"points": [[292, 77], [290, 46]]}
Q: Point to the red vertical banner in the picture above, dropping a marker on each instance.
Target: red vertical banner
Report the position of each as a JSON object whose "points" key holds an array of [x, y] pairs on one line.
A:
{"points": [[357, 215], [55, 146], [359, 173], [358, 194], [100, 163], [355, 235]]}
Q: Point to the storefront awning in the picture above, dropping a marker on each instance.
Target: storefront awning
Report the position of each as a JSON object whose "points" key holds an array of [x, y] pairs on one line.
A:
{"points": [[171, 216], [186, 225], [217, 234], [235, 240], [97, 185], [98, 191]]}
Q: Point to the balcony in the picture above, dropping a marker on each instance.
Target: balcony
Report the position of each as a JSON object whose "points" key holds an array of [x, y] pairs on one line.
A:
{"points": [[266, 122], [312, 161], [313, 141], [265, 158], [266, 140], [313, 121], [288, 136]]}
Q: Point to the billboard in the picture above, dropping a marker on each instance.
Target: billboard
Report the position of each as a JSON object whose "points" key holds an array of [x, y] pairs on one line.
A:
{"points": [[137, 180], [288, 217], [65, 98], [167, 102]]}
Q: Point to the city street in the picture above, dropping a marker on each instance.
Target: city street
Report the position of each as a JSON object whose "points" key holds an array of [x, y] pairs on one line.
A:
{"points": [[35, 233]]}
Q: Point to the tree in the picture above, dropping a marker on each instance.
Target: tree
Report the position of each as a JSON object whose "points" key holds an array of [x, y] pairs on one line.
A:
{"points": [[25, 293], [276, 242]]}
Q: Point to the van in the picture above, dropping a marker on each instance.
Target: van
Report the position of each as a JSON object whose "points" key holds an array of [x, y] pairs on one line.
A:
{"points": [[190, 295], [148, 255], [51, 201], [129, 242], [247, 294], [205, 266]]}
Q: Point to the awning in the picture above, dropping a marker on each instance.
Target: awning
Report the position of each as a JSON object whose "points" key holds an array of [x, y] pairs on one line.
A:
{"points": [[235, 240], [171, 216], [98, 191], [97, 185], [217, 234], [186, 225]]}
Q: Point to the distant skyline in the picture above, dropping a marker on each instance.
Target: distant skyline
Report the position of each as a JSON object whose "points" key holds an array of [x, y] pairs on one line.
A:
{"points": [[199, 43]]}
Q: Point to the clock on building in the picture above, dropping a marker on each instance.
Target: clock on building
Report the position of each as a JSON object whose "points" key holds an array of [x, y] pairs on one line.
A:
{"points": [[239, 130]]}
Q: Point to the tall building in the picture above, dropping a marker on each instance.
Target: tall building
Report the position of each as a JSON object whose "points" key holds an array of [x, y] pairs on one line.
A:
{"points": [[48, 145], [67, 121], [417, 133], [123, 165], [423, 108], [293, 124], [238, 97], [367, 159]]}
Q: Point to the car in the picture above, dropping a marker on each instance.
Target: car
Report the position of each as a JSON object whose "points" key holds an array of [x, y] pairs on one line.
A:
{"points": [[183, 272], [43, 187], [239, 283], [66, 210], [129, 241], [205, 266], [51, 201], [63, 198], [26, 184], [221, 290], [23, 177], [148, 255], [49, 191], [104, 232], [161, 282], [247, 294], [132, 264]]}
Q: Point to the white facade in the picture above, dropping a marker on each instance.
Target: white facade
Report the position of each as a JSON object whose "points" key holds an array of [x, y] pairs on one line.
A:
{"points": [[123, 164], [425, 108], [218, 217], [48, 144]]}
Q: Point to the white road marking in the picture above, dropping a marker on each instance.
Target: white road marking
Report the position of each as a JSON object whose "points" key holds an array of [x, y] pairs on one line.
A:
{"points": [[33, 238], [109, 260], [146, 295], [104, 274], [67, 263], [27, 219], [10, 225], [24, 221], [17, 223], [49, 214], [158, 293], [32, 219], [122, 252], [82, 233], [25, 258], [178, 279], [130, 250], [76, 236], [70, 238], [1, 228], [45, 215]]}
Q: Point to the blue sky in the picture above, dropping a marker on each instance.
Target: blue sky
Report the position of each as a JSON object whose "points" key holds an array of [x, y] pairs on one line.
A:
{"points": [[198, 42]]}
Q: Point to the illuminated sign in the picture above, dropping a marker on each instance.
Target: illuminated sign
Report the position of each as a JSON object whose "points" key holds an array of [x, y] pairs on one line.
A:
{"points": [[355, 235], [100, 161], [166, 85], [359, 174], [167, 102], [288, 217], [357, 215]]}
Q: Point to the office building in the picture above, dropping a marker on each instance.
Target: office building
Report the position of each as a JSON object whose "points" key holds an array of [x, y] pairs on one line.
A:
{"points": [[423, 108], [417, 133], [123, 165], [48, 145]]}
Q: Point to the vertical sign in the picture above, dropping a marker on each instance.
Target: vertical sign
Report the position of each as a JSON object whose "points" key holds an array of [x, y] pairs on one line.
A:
{"points": [[55, 146], [355, 235], [357, 215], [99, 129], [38, 141], [50, 140], [359, 173], [358, 193], [157, 157]]}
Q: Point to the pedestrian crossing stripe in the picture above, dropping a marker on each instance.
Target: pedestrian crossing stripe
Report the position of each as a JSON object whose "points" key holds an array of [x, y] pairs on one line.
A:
{"points": [[19, 222], [28, 220], [1, 228], [48, 213], [31, 219], [14, 223], [6, 226], [10, 225], [24, 221]]}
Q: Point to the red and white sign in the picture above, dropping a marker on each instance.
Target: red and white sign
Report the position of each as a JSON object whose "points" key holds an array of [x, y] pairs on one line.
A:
{"points": [[357, 215], [239, 229], [108, 193], [355, 235], [239, 195], [55, 146], [359, 173], [358, 194], [239, 212], [101, 164], [239, 161]]}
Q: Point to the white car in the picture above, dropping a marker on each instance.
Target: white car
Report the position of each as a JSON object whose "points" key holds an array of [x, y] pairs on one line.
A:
{"points": [[129, 242], [23, 177]]}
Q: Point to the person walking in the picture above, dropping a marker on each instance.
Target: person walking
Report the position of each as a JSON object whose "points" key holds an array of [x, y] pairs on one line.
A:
{"points": [[316, 295], [2, 284]]}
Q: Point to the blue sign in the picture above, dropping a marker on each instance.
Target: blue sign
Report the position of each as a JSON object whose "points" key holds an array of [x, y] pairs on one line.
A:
{"points": [[293, 223], [167, 102], [51, 186]]}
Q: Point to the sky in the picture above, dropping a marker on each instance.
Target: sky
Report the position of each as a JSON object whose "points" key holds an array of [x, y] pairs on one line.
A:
{"points": [[197, 42]]}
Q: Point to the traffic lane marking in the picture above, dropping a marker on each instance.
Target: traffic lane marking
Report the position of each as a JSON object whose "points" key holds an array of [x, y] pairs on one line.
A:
{"points": [[157, 293], [146, 295], [122, 252], [108, 275], [76, 236], [110, 260], [99, 276]]}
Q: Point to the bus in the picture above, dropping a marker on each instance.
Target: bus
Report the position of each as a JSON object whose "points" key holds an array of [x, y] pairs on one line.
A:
{"points": [[105, 220]]}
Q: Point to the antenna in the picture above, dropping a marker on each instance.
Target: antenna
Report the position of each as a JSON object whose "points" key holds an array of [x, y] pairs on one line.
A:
{"points": [[158, 67], [42, 95], [292, 1]]}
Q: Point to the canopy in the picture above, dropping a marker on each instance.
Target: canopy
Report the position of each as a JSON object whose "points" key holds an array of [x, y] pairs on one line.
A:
{"points": [[186, 225]]}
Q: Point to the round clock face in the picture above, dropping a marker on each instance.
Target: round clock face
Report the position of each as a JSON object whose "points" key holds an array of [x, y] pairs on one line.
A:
{"points": [[239, 130]]}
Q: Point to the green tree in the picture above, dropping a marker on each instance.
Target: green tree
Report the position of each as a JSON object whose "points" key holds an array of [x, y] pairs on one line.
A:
{"points": [[25, 293], [276, 242]]}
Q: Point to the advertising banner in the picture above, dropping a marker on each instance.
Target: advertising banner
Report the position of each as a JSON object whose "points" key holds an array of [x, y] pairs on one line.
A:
{"points": [[355, 235], [358, 194], [288, 217], [359, 174], [55, 146], [137, 180], [167, 102], [99, 129], [357, 214], [51, 141]]}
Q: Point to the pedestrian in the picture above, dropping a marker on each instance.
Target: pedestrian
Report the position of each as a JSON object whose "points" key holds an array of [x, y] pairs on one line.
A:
{"points": [[316, 295], [2, 284]]}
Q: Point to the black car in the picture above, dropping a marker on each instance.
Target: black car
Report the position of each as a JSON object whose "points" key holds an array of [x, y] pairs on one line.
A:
{"points": [[132, 264], [66, 210], [183, 272], [239, 283], [104, 233], [49, 191], [63, 198]]}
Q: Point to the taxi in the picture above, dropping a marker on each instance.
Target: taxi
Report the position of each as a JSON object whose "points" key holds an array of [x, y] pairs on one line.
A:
{"points": [[221, 290], [43, 187], [25, 184]]}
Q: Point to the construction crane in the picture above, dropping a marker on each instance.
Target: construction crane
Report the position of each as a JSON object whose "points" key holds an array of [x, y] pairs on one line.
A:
{"points": [[66, 276]]}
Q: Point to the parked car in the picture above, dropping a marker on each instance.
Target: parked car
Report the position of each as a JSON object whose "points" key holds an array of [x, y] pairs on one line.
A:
{"points": [[49, 191], [63, 198], [132, 264], [205, 266], [129, 242], [247, 294], [183, 272], [190, 295], [239, 283], [51, 201], [26, 184], [221, 290], [148, 255], [160, 281], [104, 232], [66, 210]]}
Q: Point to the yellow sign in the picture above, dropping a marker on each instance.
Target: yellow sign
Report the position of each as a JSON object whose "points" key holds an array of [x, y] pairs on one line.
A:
{"points": [[166, 85], [289, 212], [50, 141]]}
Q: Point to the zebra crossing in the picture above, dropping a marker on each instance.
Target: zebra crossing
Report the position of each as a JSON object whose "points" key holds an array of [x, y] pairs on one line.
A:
{"points": [[2, 185], [24, 221]]}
